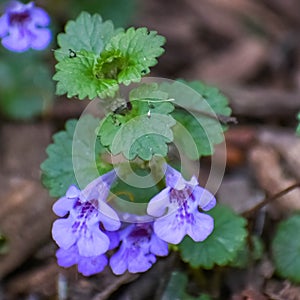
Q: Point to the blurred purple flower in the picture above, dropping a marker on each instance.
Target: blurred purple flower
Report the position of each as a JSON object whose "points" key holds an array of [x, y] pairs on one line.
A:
{"points": [[86, 265], [138, 250], [177, 209], [87, 214], [21, 27]]}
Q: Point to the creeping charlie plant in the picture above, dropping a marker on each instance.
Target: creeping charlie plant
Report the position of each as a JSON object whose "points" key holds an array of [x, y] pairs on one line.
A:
{"points": [[126, 197]]}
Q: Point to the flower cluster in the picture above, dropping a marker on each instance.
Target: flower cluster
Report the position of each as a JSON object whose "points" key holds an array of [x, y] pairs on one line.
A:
{"points": [[89, 226], [22, 27]]}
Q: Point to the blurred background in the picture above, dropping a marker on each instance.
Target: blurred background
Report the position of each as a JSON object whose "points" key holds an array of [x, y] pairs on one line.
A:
{"points": [[248, 49]]}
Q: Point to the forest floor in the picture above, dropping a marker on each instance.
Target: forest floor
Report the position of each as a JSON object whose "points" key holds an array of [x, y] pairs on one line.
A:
{"points": [[250, 50]]}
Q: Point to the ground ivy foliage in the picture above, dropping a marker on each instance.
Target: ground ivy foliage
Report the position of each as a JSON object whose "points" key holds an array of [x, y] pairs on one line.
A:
{"points": [[58, 169], [221, 246], [286, 248], [145, 129], [197, 113], [94, 58]]}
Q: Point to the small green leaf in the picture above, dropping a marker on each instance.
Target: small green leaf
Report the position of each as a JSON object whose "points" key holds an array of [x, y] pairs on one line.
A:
{"points": [[87, 32], [196, 113], [129, 55], [76, 77], [286, 248], [143, 131], [248, 253], [221, 246], [58, 169]]}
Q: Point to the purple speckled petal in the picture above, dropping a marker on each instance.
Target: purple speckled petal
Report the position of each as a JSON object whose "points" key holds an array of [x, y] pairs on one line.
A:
{"points": [[93, 243], [92, 265], [204, 198], [109, 217], [98, 188], [173, 177], [169, 229], [40, 16], [4, 26], [203, 227], [67, 258], [62, 233], [158, 204]]}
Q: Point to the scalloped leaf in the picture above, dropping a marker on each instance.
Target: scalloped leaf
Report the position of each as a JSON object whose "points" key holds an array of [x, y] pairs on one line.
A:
{"points": [[137, 133], [75, 76], [221, 246], [87, 32], [197, 110], [129, 55], [58, 169], [286, 248]]}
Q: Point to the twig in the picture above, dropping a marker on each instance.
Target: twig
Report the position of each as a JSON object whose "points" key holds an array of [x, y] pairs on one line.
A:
{"points": [[270, 199]]}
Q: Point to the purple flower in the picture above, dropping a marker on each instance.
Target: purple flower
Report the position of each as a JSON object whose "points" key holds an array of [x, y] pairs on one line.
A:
{"points": [[86, 265], [138, 250], [177, 209], [87, 214], [21, 27]]}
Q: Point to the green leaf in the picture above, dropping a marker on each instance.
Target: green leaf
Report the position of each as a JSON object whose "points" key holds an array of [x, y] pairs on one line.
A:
{"points": [[221, 246], [197, 108], [87, 32], [248, 253], [298, 127], [76, 77], [143, 131], [58, 169], [176, 289], [286, 248], [129, 55]]}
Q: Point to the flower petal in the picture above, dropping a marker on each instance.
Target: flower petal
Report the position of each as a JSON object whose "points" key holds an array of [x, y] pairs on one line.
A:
{"points": [[108, 217], [158, 246], [202, 228], [67, 257], [16, 41], [158, 204], [39, 16], [141, 262], [4, 26], [73, 192], [99, 188], [174, 178], [118, 262], [93, 243], [41, 40], [205, 199], [169, 229], [63, 205], [92, 265], [62, 233]]}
